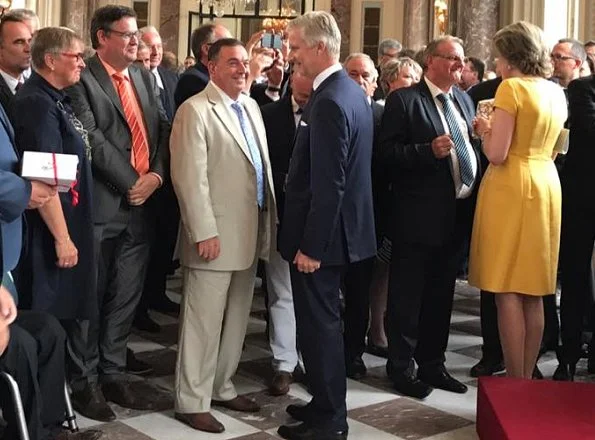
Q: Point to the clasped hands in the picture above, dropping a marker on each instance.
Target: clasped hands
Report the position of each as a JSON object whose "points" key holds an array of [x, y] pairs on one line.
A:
{"points": [[305, 264], [142, 189]]}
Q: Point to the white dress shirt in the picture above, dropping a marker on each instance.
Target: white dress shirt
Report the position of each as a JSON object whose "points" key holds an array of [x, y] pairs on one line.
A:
{"points": [[155, 73], [11, 81], [325, 74], [462, 191], [295, 108]]}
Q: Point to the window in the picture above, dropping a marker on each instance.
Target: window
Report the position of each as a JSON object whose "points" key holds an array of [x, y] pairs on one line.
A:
{"points": [[141, 7], [371, 30]]}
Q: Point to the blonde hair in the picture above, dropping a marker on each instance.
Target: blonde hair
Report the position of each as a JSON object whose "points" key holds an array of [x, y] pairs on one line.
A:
{"points": [[392, 69], [523, 45], [51, 40], [319, 27]]}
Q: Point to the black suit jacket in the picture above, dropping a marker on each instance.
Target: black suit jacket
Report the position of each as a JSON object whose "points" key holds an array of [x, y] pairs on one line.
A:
{"points": [[279, 123], [97, 105], [484, 90], [6, 96], [170, 81], [192, 81], [380, 178], [328, 198], [425, 209], [578, 178]]}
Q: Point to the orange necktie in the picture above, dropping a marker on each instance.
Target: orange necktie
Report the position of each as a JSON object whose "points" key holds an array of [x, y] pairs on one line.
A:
{"points": [[140, 148]]}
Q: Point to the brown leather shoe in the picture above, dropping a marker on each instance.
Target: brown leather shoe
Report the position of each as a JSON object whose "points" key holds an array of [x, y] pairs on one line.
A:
{"points": [[201, 421], [240, 403], [89, 434], [280, 384]]}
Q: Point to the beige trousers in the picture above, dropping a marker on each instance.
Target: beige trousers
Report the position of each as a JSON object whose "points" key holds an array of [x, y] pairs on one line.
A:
{"points": [[213, 320]]}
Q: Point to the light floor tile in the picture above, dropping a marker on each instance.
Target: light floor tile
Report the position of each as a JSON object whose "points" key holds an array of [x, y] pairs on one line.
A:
{"points": [[372, 361], [163, 426], [458, 365], [138, 344], [359, 394], [358, 431], [456, 341], [462, 405], [457, 316]]}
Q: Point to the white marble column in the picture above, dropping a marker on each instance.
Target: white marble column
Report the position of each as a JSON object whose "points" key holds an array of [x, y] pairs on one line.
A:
{"points": [[478, 21], [416, 29]]}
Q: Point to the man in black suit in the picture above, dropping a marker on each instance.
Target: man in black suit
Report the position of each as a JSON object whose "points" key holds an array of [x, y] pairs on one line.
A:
{"points": [[358, 276], [426, 138], [328, 221], [15, 57], [280, 121], [118, 104], [195, 78], [578, 225], [167, 212]]}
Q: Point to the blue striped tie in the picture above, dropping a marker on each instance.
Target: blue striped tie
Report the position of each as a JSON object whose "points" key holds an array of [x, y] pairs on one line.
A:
{"points": [[254, 152], [465, 167]]}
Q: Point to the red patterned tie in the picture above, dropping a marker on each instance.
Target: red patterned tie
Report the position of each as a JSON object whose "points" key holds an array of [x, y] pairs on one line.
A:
{"points": [[140, 148]]}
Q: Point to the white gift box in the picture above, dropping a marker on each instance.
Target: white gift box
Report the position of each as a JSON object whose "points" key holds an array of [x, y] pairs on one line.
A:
{"points": [[52, 168]]}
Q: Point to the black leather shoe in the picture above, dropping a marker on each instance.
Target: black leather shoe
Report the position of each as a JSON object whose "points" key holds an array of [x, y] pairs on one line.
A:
{"points": [[486, 368], [299, 412], [377, 350], [564, 372], [439, 378], [122, 393], [305, 432], [356, 369], [91, 403], [166, 306], [408, 385], [142, 321], [136, 366]]}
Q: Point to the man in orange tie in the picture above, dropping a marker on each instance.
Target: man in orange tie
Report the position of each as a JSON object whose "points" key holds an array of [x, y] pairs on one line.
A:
{"points": [[119, 105]]}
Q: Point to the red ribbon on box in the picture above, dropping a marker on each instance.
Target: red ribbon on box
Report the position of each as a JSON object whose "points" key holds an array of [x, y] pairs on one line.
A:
{"points": [[74, 193]]}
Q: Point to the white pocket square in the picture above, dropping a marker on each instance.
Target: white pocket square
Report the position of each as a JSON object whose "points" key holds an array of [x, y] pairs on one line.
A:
{"points": [[303, 124]]}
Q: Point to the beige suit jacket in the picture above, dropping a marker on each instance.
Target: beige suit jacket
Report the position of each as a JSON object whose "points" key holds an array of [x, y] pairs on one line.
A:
{"points": [[215, 182]]}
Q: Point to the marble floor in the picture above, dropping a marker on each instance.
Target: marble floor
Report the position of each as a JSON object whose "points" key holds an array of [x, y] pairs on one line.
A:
{"points": [[375, 412]]}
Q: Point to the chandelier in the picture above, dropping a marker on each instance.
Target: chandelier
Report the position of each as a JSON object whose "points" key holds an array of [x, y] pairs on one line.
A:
{"points": [[219, 6], [441, 15]]}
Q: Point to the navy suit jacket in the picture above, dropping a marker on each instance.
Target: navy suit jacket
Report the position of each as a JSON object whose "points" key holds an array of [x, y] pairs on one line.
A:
{"points": [[280, 128], [170, 81], [328, 199], [192, 81], [15, 193], [425, 208]]}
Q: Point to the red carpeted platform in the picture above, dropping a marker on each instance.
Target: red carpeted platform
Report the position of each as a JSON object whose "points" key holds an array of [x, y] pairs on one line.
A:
{"points": [[518, 409]]}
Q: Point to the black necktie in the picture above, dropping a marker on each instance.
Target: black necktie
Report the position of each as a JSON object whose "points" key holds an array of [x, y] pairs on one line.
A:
{"points": [[18, 86]]}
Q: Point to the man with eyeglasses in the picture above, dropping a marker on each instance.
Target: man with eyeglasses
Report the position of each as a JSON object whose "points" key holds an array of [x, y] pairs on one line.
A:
{"points": [[118, 103], [568, 55], [15, 57], [426, 138]]}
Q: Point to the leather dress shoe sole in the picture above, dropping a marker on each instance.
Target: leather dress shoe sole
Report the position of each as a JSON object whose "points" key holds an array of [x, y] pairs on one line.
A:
{"points": [[443, 381], [240, 403], [486, 368], [201, 422], [280, 383], [305, 432], [377, 350]]}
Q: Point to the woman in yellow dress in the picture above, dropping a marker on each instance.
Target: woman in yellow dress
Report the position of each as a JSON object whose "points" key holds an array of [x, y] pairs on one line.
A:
{"points": [[516, 231]]}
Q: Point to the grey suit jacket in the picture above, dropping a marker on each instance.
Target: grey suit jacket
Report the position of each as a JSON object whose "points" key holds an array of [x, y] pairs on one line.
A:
{"points": [[97, 105]]}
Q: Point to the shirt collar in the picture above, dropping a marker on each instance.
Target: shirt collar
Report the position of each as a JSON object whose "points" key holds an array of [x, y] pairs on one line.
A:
{"points": [[225, 97], [11, 81], [294, 106], [325, 74], [434, 89], [111, 71]]}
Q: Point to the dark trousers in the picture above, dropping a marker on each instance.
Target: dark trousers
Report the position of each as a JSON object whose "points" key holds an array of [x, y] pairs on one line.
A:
{"points": [[356, 317], [578, 236], [492, 350], [318, 322], [123, 252], [165, 224], [35, 359], [421, 289]]}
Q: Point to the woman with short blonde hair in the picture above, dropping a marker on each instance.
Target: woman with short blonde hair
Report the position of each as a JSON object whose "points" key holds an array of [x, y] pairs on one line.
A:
{"points": [[402, 72]]}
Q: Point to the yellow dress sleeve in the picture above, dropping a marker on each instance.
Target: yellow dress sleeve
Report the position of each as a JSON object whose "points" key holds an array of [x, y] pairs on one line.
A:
{"points": [[506, 98]]}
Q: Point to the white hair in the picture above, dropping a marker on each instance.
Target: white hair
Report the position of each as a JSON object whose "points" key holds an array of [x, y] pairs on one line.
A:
{"points": [[319, 27], [149, 30]]}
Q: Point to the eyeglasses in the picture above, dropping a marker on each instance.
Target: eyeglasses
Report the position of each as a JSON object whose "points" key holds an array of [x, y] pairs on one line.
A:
{"points": [[558, 57], [126, 35], [451, 58], [77, 56]]}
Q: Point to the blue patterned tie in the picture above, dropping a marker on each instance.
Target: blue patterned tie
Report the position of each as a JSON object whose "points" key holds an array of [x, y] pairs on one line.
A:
{"points": [[465, 167], [254, 152]]}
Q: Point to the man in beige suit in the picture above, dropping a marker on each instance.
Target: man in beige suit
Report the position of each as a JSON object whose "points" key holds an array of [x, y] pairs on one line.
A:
{"points": [[222, 177]]}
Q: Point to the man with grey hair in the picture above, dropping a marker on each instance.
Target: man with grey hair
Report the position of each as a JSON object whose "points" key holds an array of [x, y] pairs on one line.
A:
{"points": [[426, 136], [388, 49], [328, 222], [568, 55]]}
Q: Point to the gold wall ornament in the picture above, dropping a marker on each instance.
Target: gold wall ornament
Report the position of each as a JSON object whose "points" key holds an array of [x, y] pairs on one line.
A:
{"points": [[441, 15], [4, 5], [220, 6]]}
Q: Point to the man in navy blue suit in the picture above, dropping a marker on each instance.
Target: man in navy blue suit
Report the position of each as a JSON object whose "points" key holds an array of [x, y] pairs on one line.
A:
{"points": [[328, 220], [426, 138]]}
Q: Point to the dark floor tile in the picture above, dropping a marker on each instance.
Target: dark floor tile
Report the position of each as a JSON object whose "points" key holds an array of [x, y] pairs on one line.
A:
{"points": [[259, 339], [120, 431], [163, 361], [168, 335], [272, 410], [257, 369], [257, 436], [469, 306], [471, 326], [407, 419]]}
